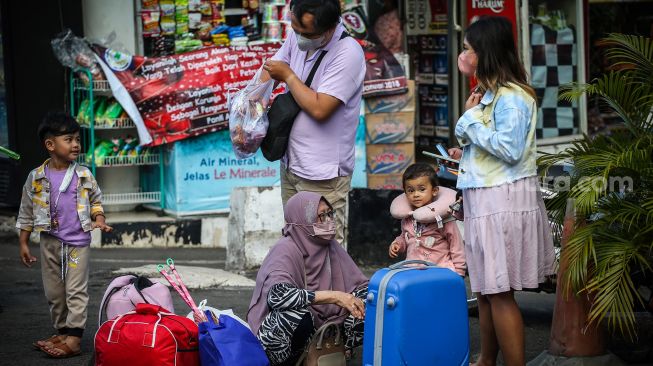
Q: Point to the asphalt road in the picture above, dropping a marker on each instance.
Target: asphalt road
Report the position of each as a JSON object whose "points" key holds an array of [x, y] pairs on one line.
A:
{"points": [[24, 315]]}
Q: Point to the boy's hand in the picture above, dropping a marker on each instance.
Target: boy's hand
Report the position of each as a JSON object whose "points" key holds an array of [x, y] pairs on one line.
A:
{"points": [[100, 224], [25, 256], [394, 250]]}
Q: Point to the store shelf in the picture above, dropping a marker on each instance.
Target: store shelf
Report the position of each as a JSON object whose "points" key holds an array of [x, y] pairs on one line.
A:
{"points": [[118, 161], [100, 87], [130, 198], [112, 124]]}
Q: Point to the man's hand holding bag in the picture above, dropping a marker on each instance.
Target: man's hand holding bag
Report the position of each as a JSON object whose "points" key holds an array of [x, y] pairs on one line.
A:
{"points": [[282, 115]]}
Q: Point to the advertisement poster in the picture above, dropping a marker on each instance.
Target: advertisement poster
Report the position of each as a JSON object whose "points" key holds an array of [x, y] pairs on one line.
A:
{"points": [[384, 75], [426, 17], [173, 97], [502, 8]]}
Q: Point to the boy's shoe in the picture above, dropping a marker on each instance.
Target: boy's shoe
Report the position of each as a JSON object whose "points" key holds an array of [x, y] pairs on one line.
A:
{"points": [[67, 352], [54, 340]]}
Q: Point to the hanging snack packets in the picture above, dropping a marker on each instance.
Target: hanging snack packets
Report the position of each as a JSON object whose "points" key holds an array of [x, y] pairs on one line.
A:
{"points": [[181, 17], [81, 112], [150, 20], [167, 23], [194, 5], [113, 112], [205, 8], [168, 26], [163, 46], [167, 8], [99, 111], [204, 30], [150, 4], [194, 20], [217, 7], [187, 45]]}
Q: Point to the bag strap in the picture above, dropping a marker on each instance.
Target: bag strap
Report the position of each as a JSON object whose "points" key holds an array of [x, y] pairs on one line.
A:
{"points": [[137, 284], [319, 334], [309, 80], [314, 69]]}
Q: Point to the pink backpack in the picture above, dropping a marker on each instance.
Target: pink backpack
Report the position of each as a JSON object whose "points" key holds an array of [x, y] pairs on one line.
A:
{"points": [[125, 292]]}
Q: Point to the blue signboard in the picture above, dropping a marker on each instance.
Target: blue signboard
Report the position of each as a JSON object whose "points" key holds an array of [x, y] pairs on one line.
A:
{"points": [[200, 172]]}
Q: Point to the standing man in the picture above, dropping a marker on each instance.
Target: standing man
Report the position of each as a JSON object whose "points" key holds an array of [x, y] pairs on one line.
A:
{"points": [[320, 154]]}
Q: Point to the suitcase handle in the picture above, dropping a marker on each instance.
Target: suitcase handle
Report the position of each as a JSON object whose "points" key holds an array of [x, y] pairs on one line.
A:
{"points": [[403, 264]]}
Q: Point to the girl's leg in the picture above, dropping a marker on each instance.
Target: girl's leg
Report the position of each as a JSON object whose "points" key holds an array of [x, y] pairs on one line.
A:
{"points": [[509, 327], [489, 344]]}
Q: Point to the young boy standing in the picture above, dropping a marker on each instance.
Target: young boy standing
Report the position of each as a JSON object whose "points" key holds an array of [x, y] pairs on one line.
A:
{"points": [[62, 201]]}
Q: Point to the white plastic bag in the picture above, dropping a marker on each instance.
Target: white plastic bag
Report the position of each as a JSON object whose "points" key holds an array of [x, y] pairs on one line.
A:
{"points": [[218, 313], [248, 119]]}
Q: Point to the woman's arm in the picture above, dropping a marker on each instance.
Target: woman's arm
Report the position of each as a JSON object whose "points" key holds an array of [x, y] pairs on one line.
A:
{"points": [[507, 141], [283, 296], [351, 303]]}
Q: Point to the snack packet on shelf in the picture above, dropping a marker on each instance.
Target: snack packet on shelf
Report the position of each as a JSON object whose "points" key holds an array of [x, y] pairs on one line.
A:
{"points": [[150, 20], [167, 8], [150, 4], [81, 112]]}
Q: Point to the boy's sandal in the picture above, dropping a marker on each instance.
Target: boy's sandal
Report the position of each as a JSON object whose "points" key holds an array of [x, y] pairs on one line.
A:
{"points": [[62, 347], [54, 340]]}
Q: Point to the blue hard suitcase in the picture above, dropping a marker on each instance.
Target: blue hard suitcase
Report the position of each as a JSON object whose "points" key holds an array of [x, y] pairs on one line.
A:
{"points": [[416, 316]]}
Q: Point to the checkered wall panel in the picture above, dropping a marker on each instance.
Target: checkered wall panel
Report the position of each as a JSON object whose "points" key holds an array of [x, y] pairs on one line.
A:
{"points": [[553, 64]]}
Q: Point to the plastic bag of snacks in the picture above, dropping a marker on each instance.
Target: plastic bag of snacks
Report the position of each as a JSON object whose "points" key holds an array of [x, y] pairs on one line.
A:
{"points": [[248, 120], [74, 52]]}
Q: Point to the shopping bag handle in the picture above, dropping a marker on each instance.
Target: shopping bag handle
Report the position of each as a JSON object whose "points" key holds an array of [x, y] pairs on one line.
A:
{"points": [[405, 263]]}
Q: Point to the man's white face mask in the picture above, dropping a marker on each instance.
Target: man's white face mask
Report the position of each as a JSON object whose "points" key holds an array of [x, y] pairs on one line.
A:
{"points": [[307, 44]]}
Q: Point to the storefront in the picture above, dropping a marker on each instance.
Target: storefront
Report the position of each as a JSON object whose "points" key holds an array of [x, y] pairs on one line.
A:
{"points": [[413, 92]]}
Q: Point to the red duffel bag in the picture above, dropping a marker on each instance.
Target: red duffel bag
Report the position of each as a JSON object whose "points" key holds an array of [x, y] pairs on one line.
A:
{"points": [[150, 335]]}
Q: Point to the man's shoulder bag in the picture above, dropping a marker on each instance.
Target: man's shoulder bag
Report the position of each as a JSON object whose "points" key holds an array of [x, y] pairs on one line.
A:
{"points": [[282, 115]]}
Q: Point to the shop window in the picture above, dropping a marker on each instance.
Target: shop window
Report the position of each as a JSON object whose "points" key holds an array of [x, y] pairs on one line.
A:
{"points": [[555, 49]]}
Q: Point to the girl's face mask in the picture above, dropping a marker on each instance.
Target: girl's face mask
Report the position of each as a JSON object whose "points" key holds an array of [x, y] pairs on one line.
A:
{"points": [[467, 61]]}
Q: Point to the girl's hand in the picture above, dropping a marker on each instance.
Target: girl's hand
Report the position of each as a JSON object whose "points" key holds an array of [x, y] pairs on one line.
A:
{"points": [[394, 250], [455, 153], [473, 100], [351, 303]]}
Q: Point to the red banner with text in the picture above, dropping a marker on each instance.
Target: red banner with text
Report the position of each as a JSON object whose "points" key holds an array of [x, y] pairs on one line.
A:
{"points": [[181, 95]]}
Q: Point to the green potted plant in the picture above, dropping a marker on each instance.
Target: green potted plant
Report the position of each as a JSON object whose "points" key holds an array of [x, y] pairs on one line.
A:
{"points": [[610, 253]]}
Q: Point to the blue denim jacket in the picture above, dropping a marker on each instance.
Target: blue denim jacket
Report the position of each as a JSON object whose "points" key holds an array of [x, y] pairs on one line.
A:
{"points": [[498, 139]]}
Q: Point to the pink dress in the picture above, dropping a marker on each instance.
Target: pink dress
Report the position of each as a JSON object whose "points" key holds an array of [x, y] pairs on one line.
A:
{"points": [[443, 247], [508, 242]]}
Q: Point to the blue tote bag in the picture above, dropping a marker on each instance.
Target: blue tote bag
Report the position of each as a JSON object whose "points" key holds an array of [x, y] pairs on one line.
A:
{"points": [[229, 343]]}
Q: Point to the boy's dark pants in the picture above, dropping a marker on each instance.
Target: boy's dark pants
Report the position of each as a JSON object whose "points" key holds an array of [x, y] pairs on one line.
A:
{"points": [[67, 298]]}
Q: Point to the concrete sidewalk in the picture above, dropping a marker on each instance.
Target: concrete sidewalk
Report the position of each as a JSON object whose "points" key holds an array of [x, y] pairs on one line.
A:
{"points": [[25, 317]]}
